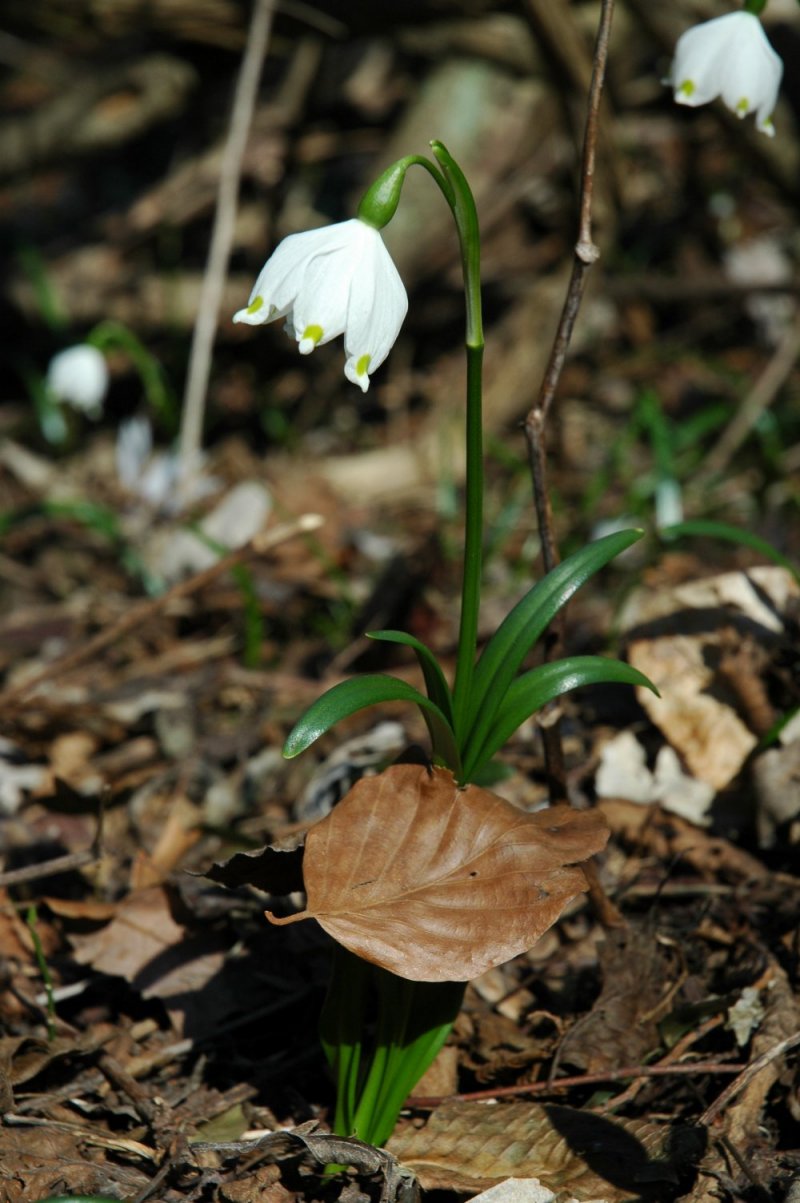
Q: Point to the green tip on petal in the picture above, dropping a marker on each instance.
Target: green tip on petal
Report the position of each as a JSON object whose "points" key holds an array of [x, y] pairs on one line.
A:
{"points": [[311, 336], [362, 365], [743, 107], [687, 88], [255, 305]]}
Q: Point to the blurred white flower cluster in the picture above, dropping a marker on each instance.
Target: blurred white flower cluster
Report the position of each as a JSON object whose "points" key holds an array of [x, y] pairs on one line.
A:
{"points": [[152, 476]]}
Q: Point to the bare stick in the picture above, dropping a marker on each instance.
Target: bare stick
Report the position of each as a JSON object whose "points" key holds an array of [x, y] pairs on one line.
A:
{"points": [[762, 395], [746, 1076], [611, 1075], [586, 253], [59, 864], [260, 543], [205, 327]]}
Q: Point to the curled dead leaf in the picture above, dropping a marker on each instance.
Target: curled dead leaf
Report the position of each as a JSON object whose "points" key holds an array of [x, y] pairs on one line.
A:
{"points": [[437, 883]]}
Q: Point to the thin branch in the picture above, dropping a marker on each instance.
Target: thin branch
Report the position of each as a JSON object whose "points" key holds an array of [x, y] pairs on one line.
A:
{"points": [[205, 328], [586, 253], [761, 396], [746, 1076], [48, 868], [611, 1075], [59, 864]]}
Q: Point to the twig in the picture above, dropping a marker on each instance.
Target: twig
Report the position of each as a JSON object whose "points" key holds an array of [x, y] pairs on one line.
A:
{"points": [[48, 868], [586, 253], [205, 327], [678, 1050], [746, 1076], [58, 864], [761, 396], [728, 1147], [611, 1075], [260, 543]]}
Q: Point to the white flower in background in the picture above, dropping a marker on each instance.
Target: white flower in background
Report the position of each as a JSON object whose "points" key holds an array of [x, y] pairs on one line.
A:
{"points": [[79, 377], [338, 280], [151, 475], [729, 57]]}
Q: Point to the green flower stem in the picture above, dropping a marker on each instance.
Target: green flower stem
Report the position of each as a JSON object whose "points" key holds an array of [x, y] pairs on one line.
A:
{"points": [[377, 208], [374, 1075], [342, 1031], [756, 7], [394, 1008], [32, 919], [466, 219], [473, 544], [414, 1019]]}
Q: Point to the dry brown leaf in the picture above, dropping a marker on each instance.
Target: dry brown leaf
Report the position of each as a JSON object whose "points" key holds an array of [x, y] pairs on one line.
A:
{"points": [[146, 945], [24, 1057], [276, 869], [438, 883], [142, 930], [467, 1146], [38, 1162], [677, 636], [622, 1026]]}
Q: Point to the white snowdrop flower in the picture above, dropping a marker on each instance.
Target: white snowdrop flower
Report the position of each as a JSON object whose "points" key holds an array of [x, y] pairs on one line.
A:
{"points": [[337, 280], [730, 57], [78, 377]]}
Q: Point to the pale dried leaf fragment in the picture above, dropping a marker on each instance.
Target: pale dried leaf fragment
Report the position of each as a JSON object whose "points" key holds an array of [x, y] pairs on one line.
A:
{"points": [[435, 882], [576, 1154], [677, 636]]}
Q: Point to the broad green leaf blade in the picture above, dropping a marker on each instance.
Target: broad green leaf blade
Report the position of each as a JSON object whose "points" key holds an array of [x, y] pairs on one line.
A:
{"points": [[532, 690], [503, 655], [348, 697], [731, 534], [435, 683]]}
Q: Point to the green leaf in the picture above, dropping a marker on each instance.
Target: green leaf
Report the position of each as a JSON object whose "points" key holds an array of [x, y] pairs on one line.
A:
{"points": [[731, 534], [348, 697], [532, 690], [435, 683], [503, 655]]}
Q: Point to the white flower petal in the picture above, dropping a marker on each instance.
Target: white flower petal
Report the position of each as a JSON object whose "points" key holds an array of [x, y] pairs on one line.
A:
{"points": [[377, 309], [730, 57], [322, 302], [338, 280], [78, 376]]}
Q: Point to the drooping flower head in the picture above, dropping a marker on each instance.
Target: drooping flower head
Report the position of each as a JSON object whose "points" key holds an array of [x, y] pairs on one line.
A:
{"points": [[78, 376], [337, 280], [730, 57]]}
